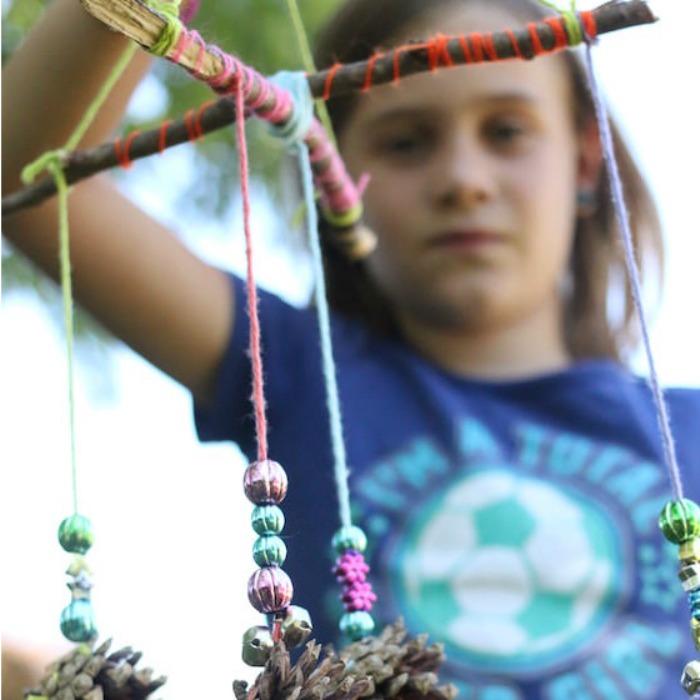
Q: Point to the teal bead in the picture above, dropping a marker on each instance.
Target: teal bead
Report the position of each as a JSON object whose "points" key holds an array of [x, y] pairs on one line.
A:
{"points": [[680, 520], [77, 621], [269, 550], [75, 534], [351, 537], [357, 624], [267, 520]]}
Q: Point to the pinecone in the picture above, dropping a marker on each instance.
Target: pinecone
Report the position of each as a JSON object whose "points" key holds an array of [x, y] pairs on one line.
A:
{"points": [[91, 674], [387, 666]]}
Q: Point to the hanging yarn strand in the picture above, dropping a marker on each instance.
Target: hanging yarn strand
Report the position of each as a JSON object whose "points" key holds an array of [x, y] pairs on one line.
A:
{"points": [[255, 349], [67, 300], [75, 533], [270, 589], [308, 61], [628, 244], [340, 466], [350, 541], [679, 519]]}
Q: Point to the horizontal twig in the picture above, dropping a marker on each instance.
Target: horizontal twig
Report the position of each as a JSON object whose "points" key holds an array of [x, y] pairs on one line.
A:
{"points": [[80, 165], [144, 26]]}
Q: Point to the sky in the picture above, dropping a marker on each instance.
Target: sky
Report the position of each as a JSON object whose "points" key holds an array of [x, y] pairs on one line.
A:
{"points": [[172, 549]]}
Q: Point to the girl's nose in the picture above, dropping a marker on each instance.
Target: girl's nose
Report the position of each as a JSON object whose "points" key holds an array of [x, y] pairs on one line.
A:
{"points": [[464, 175]]}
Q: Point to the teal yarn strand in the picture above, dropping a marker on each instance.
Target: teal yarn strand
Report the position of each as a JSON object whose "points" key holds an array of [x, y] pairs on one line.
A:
{"points": [[340, 466]]}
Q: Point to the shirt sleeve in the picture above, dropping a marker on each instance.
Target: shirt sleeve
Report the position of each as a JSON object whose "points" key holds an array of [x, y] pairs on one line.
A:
{"points": [[289, 345]]}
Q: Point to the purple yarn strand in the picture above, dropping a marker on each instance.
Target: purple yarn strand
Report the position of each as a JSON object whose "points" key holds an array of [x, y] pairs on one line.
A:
{"points": [[623, 220]]}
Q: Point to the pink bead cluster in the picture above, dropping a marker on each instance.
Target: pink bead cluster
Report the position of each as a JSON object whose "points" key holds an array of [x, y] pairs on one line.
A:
{"points": [[351, 570], [270, 589]]}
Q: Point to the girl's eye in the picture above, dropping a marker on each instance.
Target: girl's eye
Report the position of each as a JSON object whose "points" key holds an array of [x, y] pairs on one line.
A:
{"points": [[406, 147], [507, 134]]}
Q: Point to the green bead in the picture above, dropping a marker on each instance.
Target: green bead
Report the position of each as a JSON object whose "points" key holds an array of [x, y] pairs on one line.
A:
{"points": [[77, 621], [350, 537], [75, 534], [357, 624], [267, 520], [680, 520], [269, 550]]}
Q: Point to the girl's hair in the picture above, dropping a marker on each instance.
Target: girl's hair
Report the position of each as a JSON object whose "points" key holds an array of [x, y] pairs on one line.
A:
{"points": [[599, 315]]}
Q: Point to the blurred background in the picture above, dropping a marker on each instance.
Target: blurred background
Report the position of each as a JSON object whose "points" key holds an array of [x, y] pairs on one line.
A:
{"points": [[172, 550]]}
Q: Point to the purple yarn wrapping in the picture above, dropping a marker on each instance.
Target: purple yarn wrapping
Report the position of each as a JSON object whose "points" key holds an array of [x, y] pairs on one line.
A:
{"points": [[188, 10]]}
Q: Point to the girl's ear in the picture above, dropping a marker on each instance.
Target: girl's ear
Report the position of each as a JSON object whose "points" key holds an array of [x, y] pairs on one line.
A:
{"points": [[590, 158]]}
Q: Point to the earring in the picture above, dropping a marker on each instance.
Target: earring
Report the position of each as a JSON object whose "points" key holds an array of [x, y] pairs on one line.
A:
{"points": [[586, 203]]}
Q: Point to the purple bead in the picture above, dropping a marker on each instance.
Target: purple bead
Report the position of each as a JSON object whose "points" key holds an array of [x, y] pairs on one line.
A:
{"points": [[358, 596], [265, 482], [350, 567], [270, 589]]}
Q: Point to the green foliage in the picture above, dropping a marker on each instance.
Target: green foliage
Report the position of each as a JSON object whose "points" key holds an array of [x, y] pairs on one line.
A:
{"points": [[17, 17]]}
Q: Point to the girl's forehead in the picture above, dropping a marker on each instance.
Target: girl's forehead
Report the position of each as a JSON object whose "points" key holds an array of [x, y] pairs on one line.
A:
{"points": [[542, 84], [543, 80]]}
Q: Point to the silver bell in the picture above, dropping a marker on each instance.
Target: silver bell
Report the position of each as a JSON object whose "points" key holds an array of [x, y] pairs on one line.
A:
{"points": [[690, 680], [296, 626], [257, 645]]}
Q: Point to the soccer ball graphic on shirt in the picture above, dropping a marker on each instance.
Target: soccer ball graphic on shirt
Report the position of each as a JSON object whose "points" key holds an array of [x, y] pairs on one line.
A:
{"points": [[509, 571]]}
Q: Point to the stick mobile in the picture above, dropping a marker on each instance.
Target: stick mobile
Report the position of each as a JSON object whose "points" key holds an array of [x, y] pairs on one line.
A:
{"points": [[407, 668]]}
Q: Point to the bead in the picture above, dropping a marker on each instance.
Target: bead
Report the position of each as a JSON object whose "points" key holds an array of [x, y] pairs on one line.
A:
{"points": [[690, 577], [296, 626], [694, 600], [690, 680], [267, 520], [357, 625], [78, 566], [680, 520], [358, 596], [257, 645], [265, 482], [689, 551], [269, 550], [77, 622], [75, 534], [350, 537], [270, 589], [80, 586], [351, 567], [695, 631]]}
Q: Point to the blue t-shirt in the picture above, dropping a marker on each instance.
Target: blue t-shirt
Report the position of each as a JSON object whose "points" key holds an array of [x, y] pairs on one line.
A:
{"points": [[515, 521]]}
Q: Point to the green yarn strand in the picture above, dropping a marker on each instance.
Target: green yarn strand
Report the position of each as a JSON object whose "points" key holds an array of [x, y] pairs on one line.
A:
{"points": [[67, 296], [309, 66], [52, 161], [100, 98], [573, 26]]}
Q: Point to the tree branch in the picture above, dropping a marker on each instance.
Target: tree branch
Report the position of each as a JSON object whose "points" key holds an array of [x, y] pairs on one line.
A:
{"points": [[144, 26]]}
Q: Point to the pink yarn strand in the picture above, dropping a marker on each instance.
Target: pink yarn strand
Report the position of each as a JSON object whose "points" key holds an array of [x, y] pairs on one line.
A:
{"points": [[255, 351]]}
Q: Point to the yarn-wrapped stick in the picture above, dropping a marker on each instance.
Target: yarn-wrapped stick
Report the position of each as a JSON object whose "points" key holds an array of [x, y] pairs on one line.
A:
{"points": [[143, 25]]}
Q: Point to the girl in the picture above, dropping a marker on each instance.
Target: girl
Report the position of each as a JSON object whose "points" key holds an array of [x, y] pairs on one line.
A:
{"points": [[505, 465]]}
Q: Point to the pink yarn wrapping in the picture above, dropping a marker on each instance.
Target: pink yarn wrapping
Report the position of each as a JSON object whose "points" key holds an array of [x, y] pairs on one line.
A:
{"points": [[339, 194]]}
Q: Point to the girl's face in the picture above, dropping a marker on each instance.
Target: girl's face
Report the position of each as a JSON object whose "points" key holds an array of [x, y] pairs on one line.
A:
{"points": [[474, 172]]}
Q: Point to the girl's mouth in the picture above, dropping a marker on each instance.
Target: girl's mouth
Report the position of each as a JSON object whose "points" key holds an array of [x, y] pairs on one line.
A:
{"points": [[467, 240]]}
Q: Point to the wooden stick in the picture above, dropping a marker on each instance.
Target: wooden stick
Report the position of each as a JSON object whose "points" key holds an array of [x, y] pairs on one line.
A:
{"points": [[144, 26]]}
